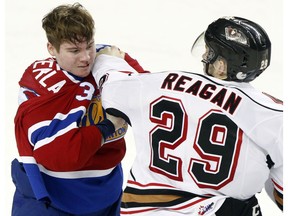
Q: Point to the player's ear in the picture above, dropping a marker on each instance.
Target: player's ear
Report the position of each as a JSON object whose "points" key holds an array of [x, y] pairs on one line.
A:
{"points": [[51, 49], [220, 67]]}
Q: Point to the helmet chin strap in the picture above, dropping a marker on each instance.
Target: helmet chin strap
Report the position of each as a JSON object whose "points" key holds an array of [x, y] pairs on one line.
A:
{"points": [[206, 69]]}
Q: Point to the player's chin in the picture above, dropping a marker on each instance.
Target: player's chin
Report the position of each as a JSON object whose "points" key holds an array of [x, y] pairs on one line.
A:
{"points": [[85, 71]]}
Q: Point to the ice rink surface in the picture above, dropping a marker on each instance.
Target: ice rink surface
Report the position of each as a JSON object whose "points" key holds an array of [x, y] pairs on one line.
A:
{"points": [[159, 33]]}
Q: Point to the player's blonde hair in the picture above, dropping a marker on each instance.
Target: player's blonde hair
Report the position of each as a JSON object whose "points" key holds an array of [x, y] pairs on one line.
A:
{"points": [[68, 23]]}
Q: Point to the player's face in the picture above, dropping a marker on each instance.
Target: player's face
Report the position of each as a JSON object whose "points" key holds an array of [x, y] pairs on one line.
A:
{"points": [[204, 59], [78, 58], [205, 54]]}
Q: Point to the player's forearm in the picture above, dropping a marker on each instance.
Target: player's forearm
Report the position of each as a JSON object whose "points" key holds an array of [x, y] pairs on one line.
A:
{"points": [[71, 151]]}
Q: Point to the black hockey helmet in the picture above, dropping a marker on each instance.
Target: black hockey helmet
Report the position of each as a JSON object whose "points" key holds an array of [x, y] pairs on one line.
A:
{"points": [[242, 43]]}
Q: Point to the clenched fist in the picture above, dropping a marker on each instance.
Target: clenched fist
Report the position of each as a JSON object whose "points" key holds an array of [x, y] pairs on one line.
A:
{"points": [[117, 121], [112, 51]]}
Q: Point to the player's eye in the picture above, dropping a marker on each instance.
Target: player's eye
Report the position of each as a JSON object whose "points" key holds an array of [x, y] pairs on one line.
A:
{"points": [[91, 45], [74, 51]]}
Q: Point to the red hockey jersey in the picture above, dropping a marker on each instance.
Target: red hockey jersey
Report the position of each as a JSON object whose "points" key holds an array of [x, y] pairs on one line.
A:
{"points": [[59, 144]]}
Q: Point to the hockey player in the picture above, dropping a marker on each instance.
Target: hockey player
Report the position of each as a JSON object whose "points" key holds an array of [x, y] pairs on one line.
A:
{"points": [[205, 144], [70, 154]]}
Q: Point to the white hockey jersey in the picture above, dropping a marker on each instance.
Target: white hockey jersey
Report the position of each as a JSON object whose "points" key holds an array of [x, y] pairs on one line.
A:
{"points": [[198, 139]]}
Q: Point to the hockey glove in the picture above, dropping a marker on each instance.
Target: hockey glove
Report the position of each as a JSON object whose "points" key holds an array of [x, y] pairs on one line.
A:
{"points": [[106, 128], [110, 50], [115, 51]]}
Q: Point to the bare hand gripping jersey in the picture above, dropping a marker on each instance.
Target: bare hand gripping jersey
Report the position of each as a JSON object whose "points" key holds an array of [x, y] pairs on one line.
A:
{"points": [[199, 140], [59, 144]]}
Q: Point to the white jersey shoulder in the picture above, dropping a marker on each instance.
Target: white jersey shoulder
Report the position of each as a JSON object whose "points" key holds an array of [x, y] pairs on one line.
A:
{"points": [[198, 134]]}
